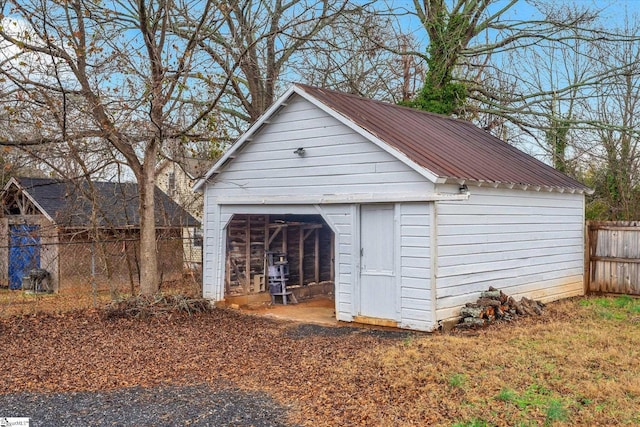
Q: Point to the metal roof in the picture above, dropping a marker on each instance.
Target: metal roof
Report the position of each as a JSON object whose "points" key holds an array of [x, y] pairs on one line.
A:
{"points": [[452, 149], [66, 203]]}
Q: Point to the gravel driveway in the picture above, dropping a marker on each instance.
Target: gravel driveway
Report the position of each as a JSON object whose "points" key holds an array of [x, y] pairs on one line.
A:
{"points": [[161, 406]]}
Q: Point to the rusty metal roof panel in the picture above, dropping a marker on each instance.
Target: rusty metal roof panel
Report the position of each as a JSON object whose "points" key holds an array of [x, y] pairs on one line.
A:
{"points": [[448, 147]]}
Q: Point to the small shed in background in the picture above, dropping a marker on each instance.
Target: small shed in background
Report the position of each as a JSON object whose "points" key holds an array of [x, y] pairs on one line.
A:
{"points": [[71, 229], [402, 216]]}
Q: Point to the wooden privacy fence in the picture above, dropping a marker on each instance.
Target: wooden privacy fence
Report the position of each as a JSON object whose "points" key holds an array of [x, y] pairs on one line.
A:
{"points": [[613, 257]]}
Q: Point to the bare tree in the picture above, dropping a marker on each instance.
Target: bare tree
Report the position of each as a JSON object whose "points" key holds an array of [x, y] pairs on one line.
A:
{"points": [[549, 83], [113, 73], [364, 54], [254, 47], [575, 96], [615, 114], [468, 41]]}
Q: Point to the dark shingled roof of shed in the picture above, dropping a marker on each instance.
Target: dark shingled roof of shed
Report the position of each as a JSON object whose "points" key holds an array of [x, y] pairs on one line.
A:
{"points": [[66, 202], [450, 148]]}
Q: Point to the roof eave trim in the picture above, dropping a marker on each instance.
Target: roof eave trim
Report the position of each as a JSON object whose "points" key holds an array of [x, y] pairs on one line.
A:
{"points": [[245, 137], [340, 198], [431, 176], [13, 180], [525, 187]]}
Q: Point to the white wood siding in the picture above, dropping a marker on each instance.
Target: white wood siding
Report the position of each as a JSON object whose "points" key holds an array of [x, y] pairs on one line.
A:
{"points": [[341, 218], [337, 160], [210, 282], [522, 242], [415, 266]]}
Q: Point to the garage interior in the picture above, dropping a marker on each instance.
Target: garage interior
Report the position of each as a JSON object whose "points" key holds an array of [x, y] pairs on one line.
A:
{"points": [[303, 243]]}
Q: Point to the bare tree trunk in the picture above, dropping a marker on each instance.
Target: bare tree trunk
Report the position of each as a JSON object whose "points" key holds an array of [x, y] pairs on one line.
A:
{"points": [[149, 281]]}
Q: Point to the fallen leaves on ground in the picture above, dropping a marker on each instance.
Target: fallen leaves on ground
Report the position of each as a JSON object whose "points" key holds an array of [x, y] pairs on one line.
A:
{"points": [[571, 366]]}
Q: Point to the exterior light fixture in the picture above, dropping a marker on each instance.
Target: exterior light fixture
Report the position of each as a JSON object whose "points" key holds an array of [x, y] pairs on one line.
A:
{"points": [[463, 189], [300, 152]]}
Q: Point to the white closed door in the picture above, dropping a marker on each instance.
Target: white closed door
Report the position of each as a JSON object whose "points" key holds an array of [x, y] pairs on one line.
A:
{"points": [[377, 269]]}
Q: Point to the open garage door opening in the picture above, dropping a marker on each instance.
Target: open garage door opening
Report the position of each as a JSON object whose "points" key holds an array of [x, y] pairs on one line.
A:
{"points": [[301, 246]]}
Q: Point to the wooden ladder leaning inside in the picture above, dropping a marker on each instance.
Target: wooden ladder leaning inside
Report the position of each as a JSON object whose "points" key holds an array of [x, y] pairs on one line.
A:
{"points": [[278, 274]]}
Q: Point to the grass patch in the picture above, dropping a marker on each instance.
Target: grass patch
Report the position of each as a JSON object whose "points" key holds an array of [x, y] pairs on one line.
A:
{"points": [[507, 395], [534, 396], [472, 423], [619, 308], [576, 365], [623, 301], [457, 380], [556, 411], [539, 399]]}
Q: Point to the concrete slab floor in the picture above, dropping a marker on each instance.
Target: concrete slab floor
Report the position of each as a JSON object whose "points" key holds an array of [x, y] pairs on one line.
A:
{"points": [[318, 310]]}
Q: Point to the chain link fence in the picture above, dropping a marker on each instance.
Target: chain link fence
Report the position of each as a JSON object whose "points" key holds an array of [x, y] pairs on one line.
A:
{"points": [[81, 238], [80, 263]]}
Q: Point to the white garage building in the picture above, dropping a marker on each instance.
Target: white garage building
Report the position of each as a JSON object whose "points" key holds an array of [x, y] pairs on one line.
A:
{"points": [[406, 215]]}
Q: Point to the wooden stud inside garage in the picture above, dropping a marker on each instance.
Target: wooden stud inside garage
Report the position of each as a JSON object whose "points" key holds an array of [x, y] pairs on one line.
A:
{"points": [[307, 242]]}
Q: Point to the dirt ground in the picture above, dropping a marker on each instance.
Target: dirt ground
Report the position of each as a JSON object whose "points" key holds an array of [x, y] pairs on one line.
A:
{"points": [[576, 365], [319, 310]]}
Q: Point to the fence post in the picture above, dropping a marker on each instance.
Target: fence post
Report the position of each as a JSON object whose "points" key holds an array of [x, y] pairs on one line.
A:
{"points": [[94, 288], [587, 258]]}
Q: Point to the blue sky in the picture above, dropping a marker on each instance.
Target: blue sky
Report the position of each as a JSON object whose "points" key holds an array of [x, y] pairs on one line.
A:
{"points": [[612, 11]]}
